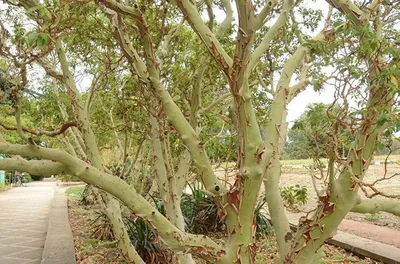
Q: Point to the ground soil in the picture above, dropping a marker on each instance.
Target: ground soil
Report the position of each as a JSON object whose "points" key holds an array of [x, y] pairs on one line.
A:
{"points": [[374, 172], [87, 249], [93, 251]]}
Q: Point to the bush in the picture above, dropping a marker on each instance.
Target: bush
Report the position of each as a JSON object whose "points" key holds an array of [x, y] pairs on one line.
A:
{"points": [[68, 178], [146, 242], [202, 215], [293, 196], [200, 212], [101, 227], [143, 237], [27, 178], [262, 223], [36, 178], [372, 217], [88, 197]]}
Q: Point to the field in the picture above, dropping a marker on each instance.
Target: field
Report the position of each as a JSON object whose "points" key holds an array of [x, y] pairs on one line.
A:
{"points": [[294, 172]]}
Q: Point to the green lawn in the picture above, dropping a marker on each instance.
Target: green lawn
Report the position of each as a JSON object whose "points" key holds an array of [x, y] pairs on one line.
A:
{"points": [[74, 193]]}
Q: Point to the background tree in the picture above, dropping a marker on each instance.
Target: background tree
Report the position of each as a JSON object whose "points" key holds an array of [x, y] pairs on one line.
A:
{"points": [[315, 133]]}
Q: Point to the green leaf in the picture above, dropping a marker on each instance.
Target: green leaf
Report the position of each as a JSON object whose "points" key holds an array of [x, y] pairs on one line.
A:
{"points": [[382, 119], [42, 40], [32, 37]]}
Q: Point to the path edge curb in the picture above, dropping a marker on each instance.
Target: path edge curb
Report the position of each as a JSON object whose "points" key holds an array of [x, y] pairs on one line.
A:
{"points": [[59, 245]]}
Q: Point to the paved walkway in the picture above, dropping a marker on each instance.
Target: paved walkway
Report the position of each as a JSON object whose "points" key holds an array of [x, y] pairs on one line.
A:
{"points": [[24, 217]]}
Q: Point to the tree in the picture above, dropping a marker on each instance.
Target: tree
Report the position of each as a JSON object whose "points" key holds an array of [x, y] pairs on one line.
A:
{"points": [[150, 60], [315, 134]]}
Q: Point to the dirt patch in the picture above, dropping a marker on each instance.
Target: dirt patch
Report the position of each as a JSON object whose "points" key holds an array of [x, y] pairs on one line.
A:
{"points": [[375, 172], [88, 250]]}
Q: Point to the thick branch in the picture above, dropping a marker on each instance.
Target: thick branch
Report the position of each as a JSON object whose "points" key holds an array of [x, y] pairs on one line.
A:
{"points": [[373, 206], [265, 12], [351, 10], [33, 167], [172, 111], [205, 34]]}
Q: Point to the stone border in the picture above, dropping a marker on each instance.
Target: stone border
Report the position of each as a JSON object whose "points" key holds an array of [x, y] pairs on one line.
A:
{"points": [[59, 245], [366, 247], [70, 184]]}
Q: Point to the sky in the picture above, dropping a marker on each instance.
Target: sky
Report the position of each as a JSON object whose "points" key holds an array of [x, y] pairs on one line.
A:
{"points": [[298, 104]]}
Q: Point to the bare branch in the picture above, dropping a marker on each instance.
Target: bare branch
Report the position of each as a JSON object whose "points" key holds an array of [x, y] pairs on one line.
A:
{"points": [[54, 133], [50, 69], [213, 104]]}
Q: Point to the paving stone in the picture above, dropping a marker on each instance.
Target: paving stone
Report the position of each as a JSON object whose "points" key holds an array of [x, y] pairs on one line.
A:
{"points": [[34, 243], [8, 260], [24, 220], [33, 254], [11, 241], [11, 250]]}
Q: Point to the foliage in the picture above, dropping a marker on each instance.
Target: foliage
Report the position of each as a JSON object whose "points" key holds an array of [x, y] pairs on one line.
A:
{"points": [[314, 134], [88, 196], [294, 196], [200, 212], [157, 67], [263, 225], [372, 217], [74, 193], [146, 241], [202, 215], [101, 227], [67, 178], [27, 178], [36, 178]]}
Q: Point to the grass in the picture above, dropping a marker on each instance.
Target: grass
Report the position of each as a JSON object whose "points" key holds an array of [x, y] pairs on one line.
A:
{"points": [[74, 193]]}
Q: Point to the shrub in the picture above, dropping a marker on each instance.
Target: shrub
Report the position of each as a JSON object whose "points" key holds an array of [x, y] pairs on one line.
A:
{"points": [[372, 217], [146, 242], [101, 227], [68, 178], [88, 196], [200, 212], [27, 178], [262, 223], [143, 237], [293, 196], [36, 178]]}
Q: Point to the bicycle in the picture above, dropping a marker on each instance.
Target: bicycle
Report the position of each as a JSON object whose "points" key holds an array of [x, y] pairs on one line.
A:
{"points": [[19, 180]]}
